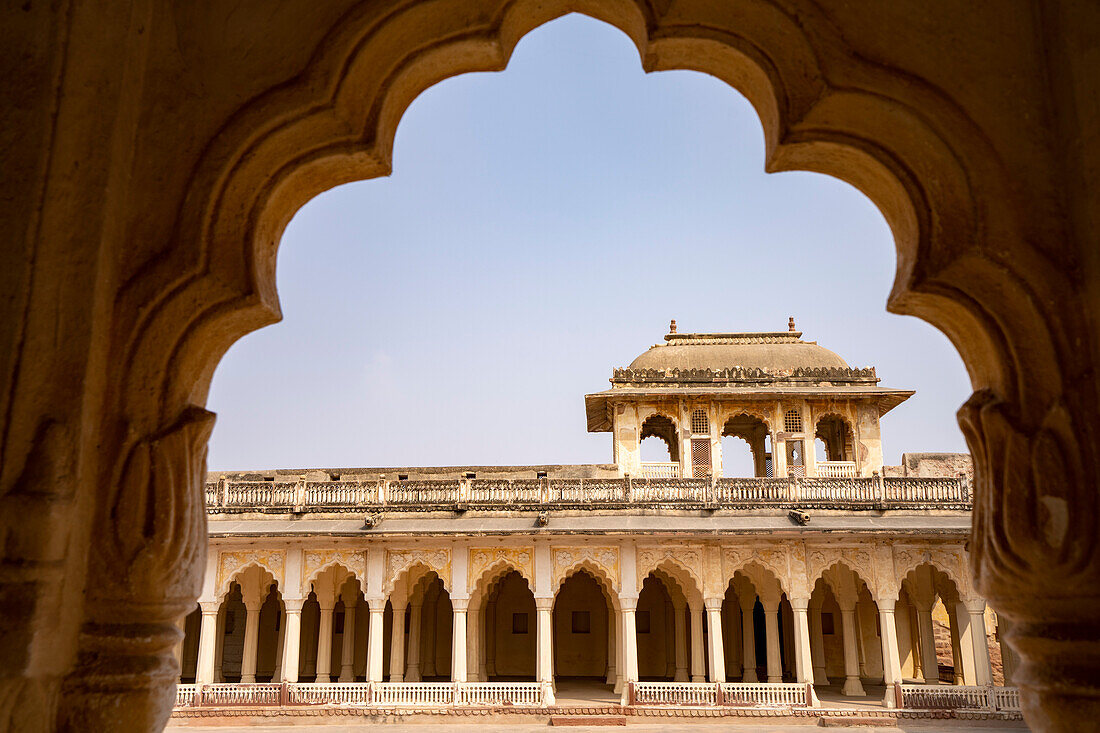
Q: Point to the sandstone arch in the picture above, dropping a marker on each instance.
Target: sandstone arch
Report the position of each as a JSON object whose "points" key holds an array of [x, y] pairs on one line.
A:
{"points": [[990, 215]]}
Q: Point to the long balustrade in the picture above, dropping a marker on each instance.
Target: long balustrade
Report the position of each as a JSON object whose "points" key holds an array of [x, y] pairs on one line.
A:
{"points": [[960, 697], [873, 492]]}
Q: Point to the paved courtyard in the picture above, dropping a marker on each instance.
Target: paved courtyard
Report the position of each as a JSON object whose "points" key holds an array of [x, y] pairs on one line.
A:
{"points": [[646, 727]]}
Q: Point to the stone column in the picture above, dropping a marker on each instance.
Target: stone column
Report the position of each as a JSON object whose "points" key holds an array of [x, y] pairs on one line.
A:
{"points": [[629, 608], [714, 636], [544, 644], [376, 607], [612, 648], [413, 672], [926, 641], [817, 642], [852, 685], [324, 641], [397, 644], [956, 646], [251, 639], [803, 664], [458, 639], [292, 638], [891, 662], [491, 640], [983, 673], [748, 639], [680, 633], [208, 639], [771, 632], [698, 670], [427, 647], [280, 643], [473, 634], [219, 647], [347, 643]]}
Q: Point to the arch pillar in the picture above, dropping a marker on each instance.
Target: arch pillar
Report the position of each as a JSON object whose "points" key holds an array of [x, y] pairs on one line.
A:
{"points": [[251, 640], [544, 646], [208, 638], [891, 660], [803, 664], [347, 648], [413, 672], [680, 641], [376, 607], [748, 636], [771, 632], [817, 643], [852, 685], [458, 639], [292, 638], [698, 668], [714, 639]]}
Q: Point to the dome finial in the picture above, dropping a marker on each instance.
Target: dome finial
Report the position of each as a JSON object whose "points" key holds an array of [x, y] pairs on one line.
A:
{"points": [[672, 326], [790, 325]]}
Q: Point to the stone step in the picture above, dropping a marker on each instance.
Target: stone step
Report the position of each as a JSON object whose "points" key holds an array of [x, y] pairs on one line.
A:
{"points": [[587, 720], [848, 721]]}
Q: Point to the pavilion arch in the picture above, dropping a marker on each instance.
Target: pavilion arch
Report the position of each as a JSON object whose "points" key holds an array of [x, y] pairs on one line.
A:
{"points": [[754, 429], [664, 428], [681, 580], [838, 434], [952, 563], [497, 570], [340, 570], [834, 572], [759, 571], [598, 573], [968, 262], [265, 576], [411, 572]]}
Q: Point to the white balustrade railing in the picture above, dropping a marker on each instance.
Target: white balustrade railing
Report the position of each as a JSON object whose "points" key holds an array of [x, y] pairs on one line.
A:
{"points": [[858, 492], [838, 490], [185, 695], [669, 491], [836, 469], [413, 694], [1007, 699], [519, 694], [945, 697], [764, 694], [231, 693], [329, 693], [674, 693], [660, 470], [753, 490]]}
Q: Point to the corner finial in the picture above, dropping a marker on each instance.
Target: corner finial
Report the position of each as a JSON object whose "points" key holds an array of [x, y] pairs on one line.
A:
{"points": [[672, 326], [790, 324]]}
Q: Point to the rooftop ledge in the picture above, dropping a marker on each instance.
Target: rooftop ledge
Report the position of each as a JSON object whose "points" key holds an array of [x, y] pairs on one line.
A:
{"points": [[873, 493]]}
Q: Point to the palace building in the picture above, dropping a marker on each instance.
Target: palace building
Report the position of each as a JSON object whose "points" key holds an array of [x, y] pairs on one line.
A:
{"points": [[818, 575]]}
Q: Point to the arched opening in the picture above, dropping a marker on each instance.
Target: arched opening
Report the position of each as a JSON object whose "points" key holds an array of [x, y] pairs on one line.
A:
{"points": [[659, 447], [746, 447], [581, 629], [428, 655], [508, 626], [655, 623], [333, 634], [247, 636], [834, 446], [845, 636], [757, 625]]}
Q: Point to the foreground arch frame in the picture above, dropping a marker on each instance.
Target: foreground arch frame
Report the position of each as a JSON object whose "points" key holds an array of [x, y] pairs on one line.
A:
{"points": [[156, 153]]}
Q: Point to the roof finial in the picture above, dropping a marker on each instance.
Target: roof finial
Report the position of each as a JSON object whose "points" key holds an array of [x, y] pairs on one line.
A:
{"points": [[790, 325], [672, 326]]}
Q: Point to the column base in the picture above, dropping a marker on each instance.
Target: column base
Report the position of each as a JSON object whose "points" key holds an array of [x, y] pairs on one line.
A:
{"points": [[698, 678], [681, 675], [248, 678], [820, 678], [749, 675], [773, 680], [323, 678], [927, 681], [853, 688]]}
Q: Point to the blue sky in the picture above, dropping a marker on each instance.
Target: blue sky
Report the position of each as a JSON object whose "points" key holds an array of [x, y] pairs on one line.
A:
{"points": [[541, 227]]}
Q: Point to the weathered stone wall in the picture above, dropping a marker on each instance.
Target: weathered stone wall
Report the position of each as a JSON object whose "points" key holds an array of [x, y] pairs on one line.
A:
{"points": [[933, 465]]}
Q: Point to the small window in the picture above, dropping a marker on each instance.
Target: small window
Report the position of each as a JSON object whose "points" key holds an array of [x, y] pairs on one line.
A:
{"points": [[792, 421], [519, 623], [582, 622], [700, 424], [641, 621], [827, 624]]}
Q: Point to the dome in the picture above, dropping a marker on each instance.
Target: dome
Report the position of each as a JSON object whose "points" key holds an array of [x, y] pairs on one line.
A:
{"points": [[773, 352]]}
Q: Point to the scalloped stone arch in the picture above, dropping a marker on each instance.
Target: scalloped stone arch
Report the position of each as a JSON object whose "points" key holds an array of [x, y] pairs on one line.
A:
{"points": [[726, 415], [670, 569], [416, 570], [963, 586], [495, 572], [598, 574], [861, 576], [227, 583], [758, 574], [308, 582]]}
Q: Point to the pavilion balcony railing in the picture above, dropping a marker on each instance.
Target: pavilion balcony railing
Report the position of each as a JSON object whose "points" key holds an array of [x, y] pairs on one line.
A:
{"points": [[660, 470], [836, 469], [855, 492], [960, 697]]}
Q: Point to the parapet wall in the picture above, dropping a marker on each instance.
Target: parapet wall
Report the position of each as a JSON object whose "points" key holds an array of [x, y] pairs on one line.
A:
{"points": [[932, 465]]}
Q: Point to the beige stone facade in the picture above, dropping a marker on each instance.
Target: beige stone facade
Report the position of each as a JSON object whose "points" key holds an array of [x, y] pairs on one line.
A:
{"points": [[819, 574]]}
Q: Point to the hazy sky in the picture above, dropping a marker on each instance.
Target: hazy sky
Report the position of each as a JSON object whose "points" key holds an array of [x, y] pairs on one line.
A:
{"points": [[541, 227]]}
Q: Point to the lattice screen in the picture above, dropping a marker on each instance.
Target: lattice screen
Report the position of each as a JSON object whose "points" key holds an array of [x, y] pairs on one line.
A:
{"points": [[792, 421], [700, 457], [700, 425]]}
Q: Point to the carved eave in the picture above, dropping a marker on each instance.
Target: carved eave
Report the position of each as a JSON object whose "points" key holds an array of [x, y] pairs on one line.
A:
{"points": [[598, 406]]}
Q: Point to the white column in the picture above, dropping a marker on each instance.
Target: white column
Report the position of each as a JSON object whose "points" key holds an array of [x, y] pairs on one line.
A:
{"points": [[629, 607], [376, 607], [956, 646], [748, 639], [324, 642], [982, 669], [698, 670], [620, 645], [926, 641], [803, 658], [891, 661], [714, 637], [771, 633], [544, 646], [852, 686], [612, 647], [292, 638], [458, 639], [413, 673], [208, 639], [680, 633], [347, 647], [251, 639], [397, 645], [473, 632], [817, 642]]}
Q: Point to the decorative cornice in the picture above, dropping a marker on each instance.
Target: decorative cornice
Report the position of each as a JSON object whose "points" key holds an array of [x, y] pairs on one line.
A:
{"points": [[746, 375]]}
